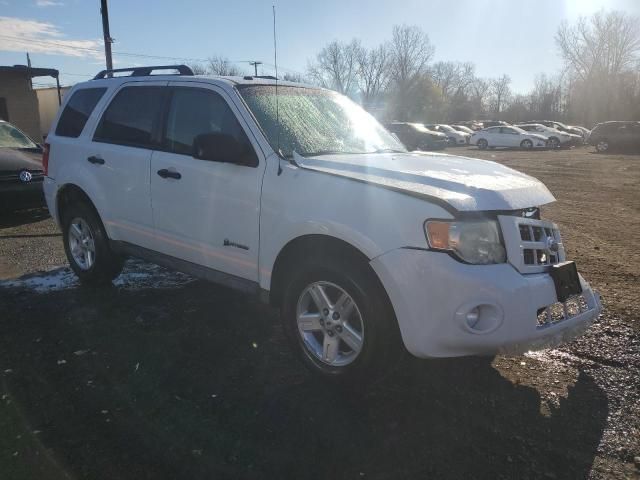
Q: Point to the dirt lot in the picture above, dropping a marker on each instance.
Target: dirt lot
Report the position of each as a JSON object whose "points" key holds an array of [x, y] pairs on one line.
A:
{"points": [[162, 376]]}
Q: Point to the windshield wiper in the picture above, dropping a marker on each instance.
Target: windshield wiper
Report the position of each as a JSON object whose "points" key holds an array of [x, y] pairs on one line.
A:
{"points": [[387, 150], [328, 152]]}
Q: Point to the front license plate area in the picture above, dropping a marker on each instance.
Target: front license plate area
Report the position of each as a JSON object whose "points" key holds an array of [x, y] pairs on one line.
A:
{"points": [[565, 278]]}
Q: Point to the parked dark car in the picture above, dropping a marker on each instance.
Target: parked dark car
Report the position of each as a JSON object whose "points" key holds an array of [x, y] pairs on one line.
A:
{"points": [[416, 136], [616, 135], [21, 173]]}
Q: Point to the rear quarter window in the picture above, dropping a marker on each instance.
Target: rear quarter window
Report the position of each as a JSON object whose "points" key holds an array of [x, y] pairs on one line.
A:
{"points": [[77, 111]]}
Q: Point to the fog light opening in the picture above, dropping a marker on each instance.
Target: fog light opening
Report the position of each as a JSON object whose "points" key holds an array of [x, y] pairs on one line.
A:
{"points": [[480, 318]]}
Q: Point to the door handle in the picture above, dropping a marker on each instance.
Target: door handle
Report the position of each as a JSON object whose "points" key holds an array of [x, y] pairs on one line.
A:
{"points": [[164, 173], [95, 160]]}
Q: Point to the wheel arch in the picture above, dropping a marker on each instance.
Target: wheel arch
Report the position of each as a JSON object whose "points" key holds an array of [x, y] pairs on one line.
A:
{"points": [[321, 245], [71, 193]]}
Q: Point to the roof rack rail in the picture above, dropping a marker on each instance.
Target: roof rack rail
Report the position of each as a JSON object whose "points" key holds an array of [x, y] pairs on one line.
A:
{"points": [[266, 77], [145, 71]]}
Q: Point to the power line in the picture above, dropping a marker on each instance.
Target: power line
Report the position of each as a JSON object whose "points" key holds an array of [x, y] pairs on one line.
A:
{"points": [[131, 54]]}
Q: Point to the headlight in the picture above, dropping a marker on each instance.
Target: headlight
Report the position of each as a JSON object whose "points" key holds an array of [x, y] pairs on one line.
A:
{"points": [[476, 242]]}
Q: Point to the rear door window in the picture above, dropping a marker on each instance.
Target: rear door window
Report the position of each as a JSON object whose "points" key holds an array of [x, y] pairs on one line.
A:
{"points": [[132, 118], [77, 111]]}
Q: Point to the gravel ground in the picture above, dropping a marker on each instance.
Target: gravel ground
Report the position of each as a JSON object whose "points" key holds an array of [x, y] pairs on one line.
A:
{"points": [[163, 376]]}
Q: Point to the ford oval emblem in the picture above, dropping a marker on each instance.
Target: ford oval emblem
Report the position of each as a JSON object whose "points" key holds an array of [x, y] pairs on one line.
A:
{"points": [[25, 176], [552, 245]]}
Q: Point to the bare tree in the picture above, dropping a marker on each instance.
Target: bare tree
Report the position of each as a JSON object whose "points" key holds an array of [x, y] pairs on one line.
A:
{"points": [[336, 66], [411, 52], [453, 78], [500, 92], [545, 100], [602, 57], [294, 77], [373, 72], [479, 90], [606, 44], [219, 65], [198, 69]]}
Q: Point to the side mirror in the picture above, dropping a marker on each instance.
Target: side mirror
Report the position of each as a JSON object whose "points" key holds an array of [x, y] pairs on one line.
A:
{"points": [[220, 147]]}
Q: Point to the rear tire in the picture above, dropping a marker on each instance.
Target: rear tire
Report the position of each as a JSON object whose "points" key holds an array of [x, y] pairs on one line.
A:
{"points": [[526, 144], [87, 246], [482, 144], [350, 335]]}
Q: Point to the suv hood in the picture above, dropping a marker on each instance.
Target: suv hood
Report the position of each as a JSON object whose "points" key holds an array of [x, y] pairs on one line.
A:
{"points": [[466, 184]]}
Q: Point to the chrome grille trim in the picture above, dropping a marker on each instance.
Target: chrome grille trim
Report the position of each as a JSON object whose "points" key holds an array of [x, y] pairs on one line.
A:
{"points": [[527, 241]]}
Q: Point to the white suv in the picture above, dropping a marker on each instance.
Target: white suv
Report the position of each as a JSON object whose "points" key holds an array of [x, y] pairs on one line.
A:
{"points": [[298, 195]]}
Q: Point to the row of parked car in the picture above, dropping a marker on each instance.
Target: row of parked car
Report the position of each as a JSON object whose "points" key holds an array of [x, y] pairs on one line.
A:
{"points": [[527, 135]]}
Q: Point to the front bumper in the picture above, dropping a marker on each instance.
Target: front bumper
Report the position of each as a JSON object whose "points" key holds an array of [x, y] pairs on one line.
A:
{"points": [[432, 293], [16, 195]]}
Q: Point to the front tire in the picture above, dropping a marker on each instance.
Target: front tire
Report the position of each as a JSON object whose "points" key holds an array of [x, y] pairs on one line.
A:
{"points": [[87, 246], [602, 146], [482, 144], [554, 143], [339, 320]]}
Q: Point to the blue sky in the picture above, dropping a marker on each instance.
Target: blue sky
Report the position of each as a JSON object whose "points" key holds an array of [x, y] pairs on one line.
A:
{"points": [[499, 36]]}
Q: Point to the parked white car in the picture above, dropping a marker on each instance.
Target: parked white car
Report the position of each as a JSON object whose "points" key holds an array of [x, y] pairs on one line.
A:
{"points": [[555, 138], [454, 136], [586, 133], [512, 137], [462, 128], [363, 246]]}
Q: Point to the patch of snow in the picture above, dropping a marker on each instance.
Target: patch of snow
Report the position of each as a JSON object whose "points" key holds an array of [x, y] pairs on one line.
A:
{"points": [[136, 275], [42, 282]]}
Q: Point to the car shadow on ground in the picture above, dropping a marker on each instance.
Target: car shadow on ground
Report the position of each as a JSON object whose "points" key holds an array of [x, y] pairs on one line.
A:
{"points": [[198, 382], [15, 218]]}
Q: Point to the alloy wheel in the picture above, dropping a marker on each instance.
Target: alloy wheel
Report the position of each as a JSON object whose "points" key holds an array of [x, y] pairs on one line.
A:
{"points": [[81, 243], [330, 324]]}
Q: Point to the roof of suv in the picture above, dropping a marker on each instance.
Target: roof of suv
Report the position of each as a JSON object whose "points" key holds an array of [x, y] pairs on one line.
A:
{"points": [[228, 80]]}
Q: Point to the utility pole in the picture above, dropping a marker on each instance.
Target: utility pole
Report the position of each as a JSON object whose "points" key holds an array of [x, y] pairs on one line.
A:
{"points": [[107, 36], [29, 71], [255, 64]]}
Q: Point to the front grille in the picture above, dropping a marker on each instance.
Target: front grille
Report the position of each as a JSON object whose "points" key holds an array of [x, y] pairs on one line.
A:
{"points": [[532, 244], [14, 177], [560, 311]]}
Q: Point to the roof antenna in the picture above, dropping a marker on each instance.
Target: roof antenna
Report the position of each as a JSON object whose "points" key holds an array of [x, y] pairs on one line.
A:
{"points": [[275, 62]]}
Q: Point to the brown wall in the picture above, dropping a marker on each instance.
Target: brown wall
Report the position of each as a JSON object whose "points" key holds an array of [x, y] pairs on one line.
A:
{"points": [[22, 103]]}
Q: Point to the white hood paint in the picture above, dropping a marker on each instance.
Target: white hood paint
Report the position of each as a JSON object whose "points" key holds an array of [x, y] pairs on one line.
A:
{"points": [[467, 184]]}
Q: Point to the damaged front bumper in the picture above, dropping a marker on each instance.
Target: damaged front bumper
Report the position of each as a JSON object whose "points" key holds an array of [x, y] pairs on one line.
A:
{"points": [[446, 308]]}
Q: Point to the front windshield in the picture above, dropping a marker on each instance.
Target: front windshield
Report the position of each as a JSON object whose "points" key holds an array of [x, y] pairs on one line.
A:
{"points": [[447, 128], [315, 122], [11, 137]]}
